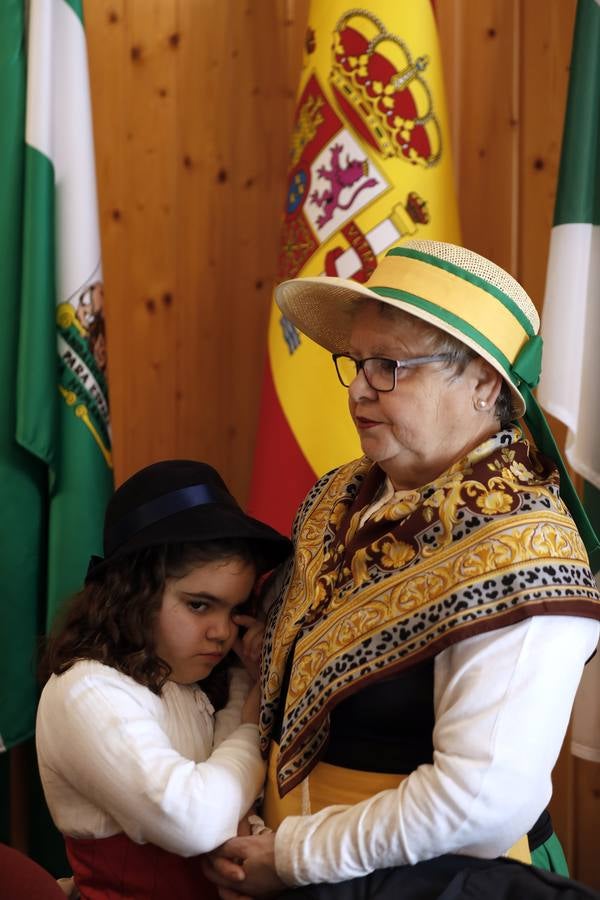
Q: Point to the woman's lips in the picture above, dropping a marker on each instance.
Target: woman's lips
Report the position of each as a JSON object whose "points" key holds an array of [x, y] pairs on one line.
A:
{"points": [[361, 422]]}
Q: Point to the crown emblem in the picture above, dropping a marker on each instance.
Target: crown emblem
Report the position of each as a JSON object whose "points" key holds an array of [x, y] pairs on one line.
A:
{"points": [[381, 90]]}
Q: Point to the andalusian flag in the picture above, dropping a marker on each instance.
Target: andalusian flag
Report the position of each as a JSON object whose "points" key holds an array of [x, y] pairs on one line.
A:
{"points": [[55, 460], [370, 165], [570, 383]]}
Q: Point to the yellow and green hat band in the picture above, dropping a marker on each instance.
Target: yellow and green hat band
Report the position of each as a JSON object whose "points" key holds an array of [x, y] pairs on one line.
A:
{"points": [[470, 277], [481, 312], [450, 318]]}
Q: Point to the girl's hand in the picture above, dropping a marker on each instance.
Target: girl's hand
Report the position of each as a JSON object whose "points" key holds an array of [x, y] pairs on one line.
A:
{"points": [[248, 647], [251, 706]]}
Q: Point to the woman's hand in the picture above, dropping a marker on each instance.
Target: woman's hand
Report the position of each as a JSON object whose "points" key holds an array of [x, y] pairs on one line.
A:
{"points": [[248, 647], [244, 867]]}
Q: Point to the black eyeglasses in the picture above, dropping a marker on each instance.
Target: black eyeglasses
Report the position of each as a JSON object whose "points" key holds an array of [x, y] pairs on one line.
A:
{"points": [[380, 373]]}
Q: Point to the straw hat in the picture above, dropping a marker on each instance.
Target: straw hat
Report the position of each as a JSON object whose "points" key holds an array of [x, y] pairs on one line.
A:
{"points": [[460, 292]]}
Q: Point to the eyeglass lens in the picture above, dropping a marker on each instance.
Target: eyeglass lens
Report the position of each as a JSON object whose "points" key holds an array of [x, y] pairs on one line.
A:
{"points": [[379, 372]]}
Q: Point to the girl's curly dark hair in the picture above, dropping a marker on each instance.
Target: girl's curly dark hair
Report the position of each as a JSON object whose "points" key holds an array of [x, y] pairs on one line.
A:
{"points": [[112, 619]]}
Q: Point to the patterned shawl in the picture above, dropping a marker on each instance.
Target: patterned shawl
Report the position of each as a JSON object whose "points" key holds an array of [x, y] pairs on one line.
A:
{"points": [[486, 544]]}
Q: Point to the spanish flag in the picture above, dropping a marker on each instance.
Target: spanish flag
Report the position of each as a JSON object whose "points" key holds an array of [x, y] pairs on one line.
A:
{"points": [[370, 165]]}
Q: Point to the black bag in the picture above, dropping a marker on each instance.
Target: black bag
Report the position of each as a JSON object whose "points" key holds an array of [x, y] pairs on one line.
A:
{"points": [[452, 877]]}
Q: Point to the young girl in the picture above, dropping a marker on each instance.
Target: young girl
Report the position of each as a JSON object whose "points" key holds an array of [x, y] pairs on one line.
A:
{"points": [[140, 774]]}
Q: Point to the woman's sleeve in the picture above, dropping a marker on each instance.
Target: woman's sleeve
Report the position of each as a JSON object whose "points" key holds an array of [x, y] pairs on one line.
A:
{"points": [[502, 706], [101, 732]]}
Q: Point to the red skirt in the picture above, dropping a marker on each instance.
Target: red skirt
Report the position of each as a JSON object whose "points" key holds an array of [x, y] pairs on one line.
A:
{"points": [[116, 868]]}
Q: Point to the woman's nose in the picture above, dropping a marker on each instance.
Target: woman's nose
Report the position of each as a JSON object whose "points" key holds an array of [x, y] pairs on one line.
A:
{"points": [[360, 387]]}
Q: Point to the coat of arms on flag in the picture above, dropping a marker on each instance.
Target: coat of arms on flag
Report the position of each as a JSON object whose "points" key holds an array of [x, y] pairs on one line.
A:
{"points": [[369, 165], [81, 340]]}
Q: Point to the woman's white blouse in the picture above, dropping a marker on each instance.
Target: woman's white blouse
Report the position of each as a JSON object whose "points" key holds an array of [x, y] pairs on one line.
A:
{"points": [[502, 704], [113, 757]]}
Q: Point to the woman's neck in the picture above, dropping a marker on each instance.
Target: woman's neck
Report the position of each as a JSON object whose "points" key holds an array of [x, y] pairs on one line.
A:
{"points": [[405, 477]]}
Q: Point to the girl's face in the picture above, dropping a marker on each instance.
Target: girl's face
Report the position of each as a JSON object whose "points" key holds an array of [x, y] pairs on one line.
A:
{"points": [[194, 629]]}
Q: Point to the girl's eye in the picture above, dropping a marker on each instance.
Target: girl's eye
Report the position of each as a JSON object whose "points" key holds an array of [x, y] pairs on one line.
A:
{"points": [[197, 605]]}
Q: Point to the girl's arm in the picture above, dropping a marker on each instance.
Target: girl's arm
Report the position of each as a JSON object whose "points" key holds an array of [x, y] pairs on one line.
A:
{"points": [[228, 718], [241, 681], [107, 764]]}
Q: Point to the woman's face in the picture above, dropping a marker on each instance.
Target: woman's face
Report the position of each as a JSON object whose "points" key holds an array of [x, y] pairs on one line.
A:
{"points": [[430, 419], [194, 629]]}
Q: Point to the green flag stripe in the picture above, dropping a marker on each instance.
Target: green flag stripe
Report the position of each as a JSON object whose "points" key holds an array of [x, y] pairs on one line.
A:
{"points": [[591, 499], [37, 339], [578, 196], [22, 478], [77, 7]]}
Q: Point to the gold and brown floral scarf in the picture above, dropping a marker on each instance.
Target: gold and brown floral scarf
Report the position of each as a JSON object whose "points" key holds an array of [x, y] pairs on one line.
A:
{"points": [[486, 544]]}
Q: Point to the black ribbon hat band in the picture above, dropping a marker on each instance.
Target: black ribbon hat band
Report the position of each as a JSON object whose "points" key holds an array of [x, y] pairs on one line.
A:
{"points": [[161, 508]]}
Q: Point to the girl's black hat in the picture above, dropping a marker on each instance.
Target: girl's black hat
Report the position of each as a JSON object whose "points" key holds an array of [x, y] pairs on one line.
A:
{"points": [[179, 501]]}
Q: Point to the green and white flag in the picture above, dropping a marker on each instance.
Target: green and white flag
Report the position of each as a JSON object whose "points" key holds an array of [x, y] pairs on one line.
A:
{"points": [[55, 456], [570, 382]]}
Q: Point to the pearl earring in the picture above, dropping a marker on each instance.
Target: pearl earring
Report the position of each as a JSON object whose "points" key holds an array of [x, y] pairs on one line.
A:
{"points": [[481, 404]]}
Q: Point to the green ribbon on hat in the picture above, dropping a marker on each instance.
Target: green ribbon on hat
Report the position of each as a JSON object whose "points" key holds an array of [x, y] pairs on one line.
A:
{"points": [[527, 366], [525, 372], [544, 440]]}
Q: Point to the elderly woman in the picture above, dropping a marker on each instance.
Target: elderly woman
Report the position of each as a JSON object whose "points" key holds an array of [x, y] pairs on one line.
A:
{"points": [[422, 657]]}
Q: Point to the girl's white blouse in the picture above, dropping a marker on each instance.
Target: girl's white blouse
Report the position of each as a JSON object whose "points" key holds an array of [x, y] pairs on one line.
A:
{"points": [[115, 757]]}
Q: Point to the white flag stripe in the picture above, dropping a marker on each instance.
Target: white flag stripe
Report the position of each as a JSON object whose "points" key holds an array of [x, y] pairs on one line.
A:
{"points": [[38, 124], [59, 125], [571, 330], [583, 447]]}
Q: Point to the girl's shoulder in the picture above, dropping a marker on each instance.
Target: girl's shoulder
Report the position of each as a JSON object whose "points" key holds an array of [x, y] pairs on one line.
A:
{"points": [[88, 679]]}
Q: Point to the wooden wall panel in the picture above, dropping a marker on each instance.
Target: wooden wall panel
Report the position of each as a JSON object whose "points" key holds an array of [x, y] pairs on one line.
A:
{"points": [[586, 822], [481, 62], [546, 28], [193, 104]]}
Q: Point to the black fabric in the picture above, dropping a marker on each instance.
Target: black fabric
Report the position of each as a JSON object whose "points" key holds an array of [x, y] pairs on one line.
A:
{"points": [[161, 508], [386, 726], [541, 831], [452, 877]]}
